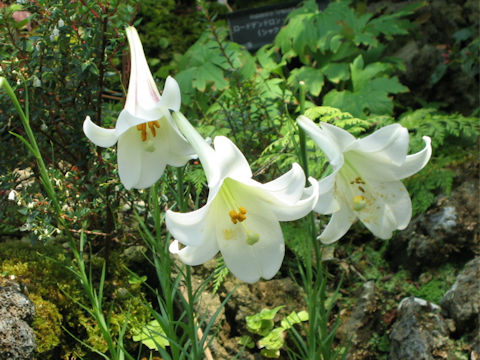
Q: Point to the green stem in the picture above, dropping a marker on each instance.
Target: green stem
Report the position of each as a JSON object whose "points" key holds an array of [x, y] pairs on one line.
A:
{"points": [[180, 190], [301, 132]]}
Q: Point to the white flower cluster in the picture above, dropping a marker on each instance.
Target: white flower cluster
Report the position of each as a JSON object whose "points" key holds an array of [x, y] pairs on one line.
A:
{"points": [[241, 216]]}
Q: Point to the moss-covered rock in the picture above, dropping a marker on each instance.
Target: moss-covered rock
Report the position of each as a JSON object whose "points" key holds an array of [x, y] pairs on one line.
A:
{"points": [[42, 271]]}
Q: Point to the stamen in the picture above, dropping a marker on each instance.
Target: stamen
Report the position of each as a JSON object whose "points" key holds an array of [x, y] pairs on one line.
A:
{"points": [[152, 125], [238, 216], [233, 216]]}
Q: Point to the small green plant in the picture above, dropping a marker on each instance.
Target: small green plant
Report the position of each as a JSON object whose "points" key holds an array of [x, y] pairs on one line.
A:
{"points": [[273, 338], [151, 335]]}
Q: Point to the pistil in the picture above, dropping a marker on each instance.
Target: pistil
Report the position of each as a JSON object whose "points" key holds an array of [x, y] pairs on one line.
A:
{"points": [[237, 216]]}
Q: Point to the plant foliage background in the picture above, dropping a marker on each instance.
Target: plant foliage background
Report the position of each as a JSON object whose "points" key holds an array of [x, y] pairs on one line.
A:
{"points": [[73, 58]]}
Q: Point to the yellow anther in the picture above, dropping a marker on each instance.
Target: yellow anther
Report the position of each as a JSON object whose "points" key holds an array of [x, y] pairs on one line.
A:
{"points": [[238, 216], [359, 202], [233, 216], [152, 125]]}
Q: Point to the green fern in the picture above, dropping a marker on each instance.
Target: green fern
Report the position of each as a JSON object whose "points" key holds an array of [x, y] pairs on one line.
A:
{"points": [[196, 177], [441, 126], [338, 118], [453, 138], [279, 153], [424, 186], [220, 273]]}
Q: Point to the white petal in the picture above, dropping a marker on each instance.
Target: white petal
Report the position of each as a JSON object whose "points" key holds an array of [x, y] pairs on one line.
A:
{"points": [[252, 192], [151, 170], [326, 203], [174, 147], [288, 211], [388, 208], [230, 159], [369, 166], [127, 120], [342, 138], [338, 225], [129, 158], [142, 90], [98, 135], [289, 186], [167, 147], [195, 255], [262, 259], [193, 228], [323, 139], [415, 162], [171, 97], [389, 142]]}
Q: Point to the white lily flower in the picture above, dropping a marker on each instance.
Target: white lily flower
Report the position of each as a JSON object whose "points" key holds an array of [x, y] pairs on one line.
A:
{"points": [[148, 140], [365, 182], [241, 216]]}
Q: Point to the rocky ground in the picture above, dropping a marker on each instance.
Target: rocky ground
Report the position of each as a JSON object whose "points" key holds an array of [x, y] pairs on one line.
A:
{"points": [[415, 297]]}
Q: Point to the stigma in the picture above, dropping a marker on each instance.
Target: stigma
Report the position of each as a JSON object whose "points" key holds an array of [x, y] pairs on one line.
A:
{"points": [[359, 202], [152, 125]]}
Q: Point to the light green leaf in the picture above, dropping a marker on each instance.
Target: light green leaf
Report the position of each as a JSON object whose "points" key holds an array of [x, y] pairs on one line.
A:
{"points": [[151, 335], [262, 322], [271, 354], [274, 340], [294, 318], [246, 341]]}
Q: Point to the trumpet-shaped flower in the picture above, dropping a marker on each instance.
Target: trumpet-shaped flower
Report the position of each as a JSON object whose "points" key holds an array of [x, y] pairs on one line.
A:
{"points": [[148, 140], [241, 216], [365, 182]]}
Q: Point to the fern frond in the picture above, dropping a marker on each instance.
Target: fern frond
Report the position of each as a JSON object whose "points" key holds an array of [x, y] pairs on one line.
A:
{"points": [[339, 118], [219, 274], [196, 177], [441, 126], [424, 186]]}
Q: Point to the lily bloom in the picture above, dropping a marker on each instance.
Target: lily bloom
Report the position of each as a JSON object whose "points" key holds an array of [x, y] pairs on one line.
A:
{"points": [[241, 217], [365, 182], [148, 140]]}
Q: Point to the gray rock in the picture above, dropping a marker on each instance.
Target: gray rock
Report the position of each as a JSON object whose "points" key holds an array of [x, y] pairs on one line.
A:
{"points": [[462, 301], [419, 331], [17, 340], [447, 231], [134, 254], [359, 324]]}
